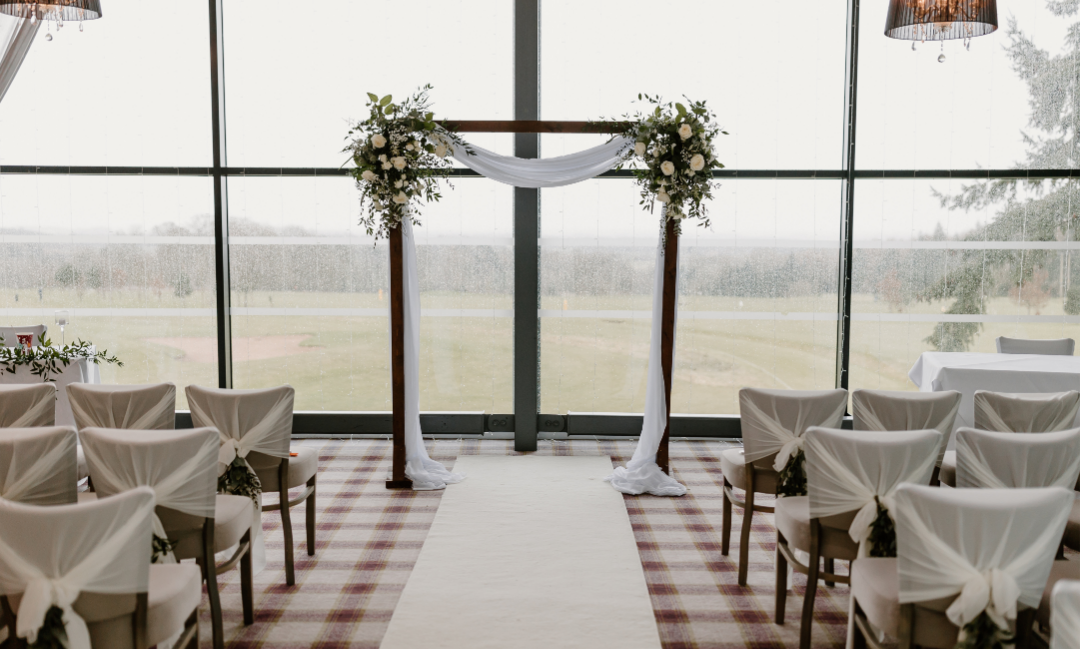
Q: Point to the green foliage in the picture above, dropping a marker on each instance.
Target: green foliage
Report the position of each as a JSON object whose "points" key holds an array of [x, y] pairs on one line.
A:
{"points": [[882, 537], [240, 480], [46, 360], [982, 633], [160, 547], [792, 480], [399, 155], [182, 287], [52, 634], [67, 275]]}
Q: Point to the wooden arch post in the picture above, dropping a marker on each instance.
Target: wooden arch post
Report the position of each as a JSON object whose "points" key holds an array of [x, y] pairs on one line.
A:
{"points": [[397, 478]]}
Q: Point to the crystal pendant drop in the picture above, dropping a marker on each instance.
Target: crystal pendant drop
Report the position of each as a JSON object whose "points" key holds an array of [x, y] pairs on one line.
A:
{"points": [[48, 37], [33, 18], [912, 46], [941, 58], [80, 26]]}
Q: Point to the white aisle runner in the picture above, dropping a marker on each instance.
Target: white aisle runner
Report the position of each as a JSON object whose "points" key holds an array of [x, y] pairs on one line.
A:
{"points": [[528, 552]]}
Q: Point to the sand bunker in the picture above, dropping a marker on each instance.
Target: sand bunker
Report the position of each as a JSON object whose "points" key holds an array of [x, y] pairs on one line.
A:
{"points": [[257, 348]]}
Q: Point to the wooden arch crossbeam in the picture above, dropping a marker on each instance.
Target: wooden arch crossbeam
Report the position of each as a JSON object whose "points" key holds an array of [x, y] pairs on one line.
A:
{"points": [[398, 480]]}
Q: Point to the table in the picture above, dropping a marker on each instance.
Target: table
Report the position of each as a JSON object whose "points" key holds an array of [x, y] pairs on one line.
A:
{"points": [[967, 372], [79, 371]]}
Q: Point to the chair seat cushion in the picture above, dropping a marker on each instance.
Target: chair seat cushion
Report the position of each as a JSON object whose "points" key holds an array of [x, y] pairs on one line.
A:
{"points": [[1062, 570], [947, 475], [1072, 528], [86, 496], [793, 521], [232, 519], [733, 467], [175, 591], [303, 466]]}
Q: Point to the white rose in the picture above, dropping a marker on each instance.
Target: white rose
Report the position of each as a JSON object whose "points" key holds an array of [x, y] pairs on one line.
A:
{"points": [[400, 198], [663, 197], [377, 205], [398, 184], [368, 175], [378, 141], [685, 131], [409, 146], [697, 163], [639, 149], [667, 167], [386, 166], [398, 162], [382, 158], [440, 150]]}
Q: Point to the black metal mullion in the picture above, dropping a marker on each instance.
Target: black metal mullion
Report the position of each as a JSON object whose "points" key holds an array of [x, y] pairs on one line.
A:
{"points": [[847, 199], [221, 206]]}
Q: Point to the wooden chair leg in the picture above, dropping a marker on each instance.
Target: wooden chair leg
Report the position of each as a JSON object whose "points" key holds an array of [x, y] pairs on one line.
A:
{"points": [[830, 567], [935, 477], [906, 628], [744, 536], [246, 578], [813, 568], [725, 526], [310, 513], [781, 579], [286, 521], [209, 570], [858, 640]]}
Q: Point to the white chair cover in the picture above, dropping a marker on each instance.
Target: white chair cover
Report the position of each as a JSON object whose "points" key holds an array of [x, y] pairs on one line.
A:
{"points": [[1056, 347], [774, 421], [991, 548], [895, 410], [1025, 413], [52, 554], [27, 405], [246, 421], [180, 466], [852, 471], [1065, 615], [132, 407], [9, 335], [38, 466], [987, 460]]}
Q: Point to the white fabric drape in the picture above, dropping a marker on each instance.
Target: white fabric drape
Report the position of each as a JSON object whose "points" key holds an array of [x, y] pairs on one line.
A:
{"points": [[16, 36], [545, 172], [52, 554], [988, 460], [891, 410], [1025, 413], [642, 474], [38, 466], [775, 421], [854, 471], [130, 407], [27, 406], [1065, 615], [180, 466], [989, 548]]}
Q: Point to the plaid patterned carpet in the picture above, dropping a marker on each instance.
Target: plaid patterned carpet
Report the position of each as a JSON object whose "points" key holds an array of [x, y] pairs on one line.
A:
{"points": [[369, 539]]}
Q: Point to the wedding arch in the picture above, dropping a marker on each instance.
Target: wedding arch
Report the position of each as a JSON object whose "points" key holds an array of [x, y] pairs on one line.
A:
{"points": [[401, 152]]}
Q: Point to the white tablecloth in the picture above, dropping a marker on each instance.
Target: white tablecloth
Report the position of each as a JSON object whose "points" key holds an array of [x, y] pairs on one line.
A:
{"points": [[967, 372], [79, 371]]}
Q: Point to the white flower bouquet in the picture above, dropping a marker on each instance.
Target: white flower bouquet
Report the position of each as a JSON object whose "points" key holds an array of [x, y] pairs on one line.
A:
{"points": [[675, 143], [399, 154]]}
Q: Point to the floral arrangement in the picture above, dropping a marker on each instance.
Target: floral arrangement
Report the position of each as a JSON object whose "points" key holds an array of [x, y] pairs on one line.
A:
{"points": [[882, 538], [52, 634], [240, 480], [399, 155], [984, 633], [675, 143], [792, 478], [160, 548], [45, 360]]}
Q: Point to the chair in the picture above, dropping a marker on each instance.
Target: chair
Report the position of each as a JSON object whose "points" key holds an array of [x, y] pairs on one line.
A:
{"points": [[1053, 347], [851, 478], [773, 423], [98, 555], [38, 465], [9, 335], [953, 546], [131, 407], [987, 460], [27, 405], [1017, 413], [181, 468], [895, 410], [256, 426]]}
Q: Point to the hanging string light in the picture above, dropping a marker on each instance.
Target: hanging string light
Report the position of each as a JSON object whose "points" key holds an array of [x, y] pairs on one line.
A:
{"points": [[53, 11], [941, 20]]}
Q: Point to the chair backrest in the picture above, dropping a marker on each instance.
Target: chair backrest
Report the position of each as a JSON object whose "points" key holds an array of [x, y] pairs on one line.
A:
{"points": [[91, 552], [39, 466], [848, 471], [965, 542], [988, 460], [895, 410], [1065, 615], [27, 405], [1053, 347], [774, 421], [257, 423], [1025, 413], [135, 407], [9, 336]]}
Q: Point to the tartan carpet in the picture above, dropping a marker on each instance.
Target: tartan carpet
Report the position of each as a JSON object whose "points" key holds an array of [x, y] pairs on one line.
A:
{"points": [[368, 539]]}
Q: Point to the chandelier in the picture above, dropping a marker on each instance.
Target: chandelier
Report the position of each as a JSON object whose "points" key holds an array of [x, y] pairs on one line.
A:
{"points": [[940, 20], [53, 11]]}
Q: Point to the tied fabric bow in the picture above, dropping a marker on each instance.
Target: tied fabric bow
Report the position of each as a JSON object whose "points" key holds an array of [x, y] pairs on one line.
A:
{"points": [[995, 592], [790, 447], [230, 450], [42, 594]]}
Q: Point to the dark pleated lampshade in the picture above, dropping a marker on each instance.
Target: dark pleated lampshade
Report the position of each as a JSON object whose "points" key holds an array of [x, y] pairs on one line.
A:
{"points": [[73, 10], [940, 20]]}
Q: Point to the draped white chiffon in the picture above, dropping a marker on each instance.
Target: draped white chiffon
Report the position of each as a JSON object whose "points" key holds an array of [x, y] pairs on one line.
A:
{"points": [[545, 172]]}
